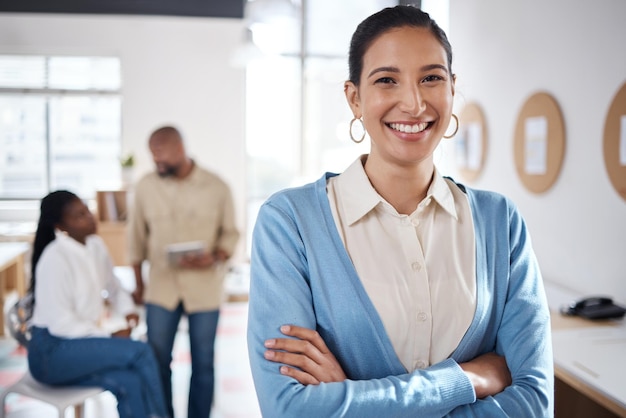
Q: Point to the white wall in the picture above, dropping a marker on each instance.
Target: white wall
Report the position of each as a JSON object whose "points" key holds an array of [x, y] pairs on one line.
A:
{"points": [[504, 52], [174, 71]]}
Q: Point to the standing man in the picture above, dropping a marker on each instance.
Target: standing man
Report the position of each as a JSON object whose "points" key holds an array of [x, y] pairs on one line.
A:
{"points": [[180, 203]]}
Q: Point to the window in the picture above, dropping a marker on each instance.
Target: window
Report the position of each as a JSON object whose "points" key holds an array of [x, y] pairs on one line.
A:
{"points": [[297, 117], [60, 125]]}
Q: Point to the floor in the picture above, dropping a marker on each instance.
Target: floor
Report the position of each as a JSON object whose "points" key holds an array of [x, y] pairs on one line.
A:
{"points": [[234, 396]]}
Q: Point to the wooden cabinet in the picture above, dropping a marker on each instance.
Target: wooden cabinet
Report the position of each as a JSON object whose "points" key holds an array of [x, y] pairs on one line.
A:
{"points": [[114, 236], [573, 399], [112, 213], [112, 205]]}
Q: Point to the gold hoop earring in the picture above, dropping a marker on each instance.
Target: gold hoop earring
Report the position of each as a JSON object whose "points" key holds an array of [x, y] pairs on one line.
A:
{"points": [[362, 128], [455, 129]]}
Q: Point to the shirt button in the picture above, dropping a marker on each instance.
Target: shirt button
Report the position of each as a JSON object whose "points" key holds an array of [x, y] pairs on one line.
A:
{"points": [[416, 266], [422, 316]]}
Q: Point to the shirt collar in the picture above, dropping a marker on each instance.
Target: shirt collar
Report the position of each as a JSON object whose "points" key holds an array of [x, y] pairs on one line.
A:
{"points": [[194, 175], [360, 197], [440, 192], [69, 242]]}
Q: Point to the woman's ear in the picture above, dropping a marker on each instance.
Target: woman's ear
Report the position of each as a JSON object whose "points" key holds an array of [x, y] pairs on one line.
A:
{"points": [[453, 83], [352, 96]]}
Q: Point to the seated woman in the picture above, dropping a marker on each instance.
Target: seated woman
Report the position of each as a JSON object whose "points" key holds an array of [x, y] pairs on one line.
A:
{"points": [[72, 274], [389, 290]]}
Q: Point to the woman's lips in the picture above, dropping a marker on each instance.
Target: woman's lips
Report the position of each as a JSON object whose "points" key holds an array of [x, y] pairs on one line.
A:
{"points": [[409, 128]]}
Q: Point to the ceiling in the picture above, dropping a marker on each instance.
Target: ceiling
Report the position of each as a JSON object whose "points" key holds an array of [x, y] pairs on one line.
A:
{"points": [[198, 8]]}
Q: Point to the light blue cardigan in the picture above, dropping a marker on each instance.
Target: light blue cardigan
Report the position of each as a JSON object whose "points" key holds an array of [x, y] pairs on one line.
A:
{"points": [[301, 274]]}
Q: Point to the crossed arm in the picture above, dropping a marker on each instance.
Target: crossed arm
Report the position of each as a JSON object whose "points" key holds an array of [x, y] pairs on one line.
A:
{"points": [[301, 373], [307, 359]]}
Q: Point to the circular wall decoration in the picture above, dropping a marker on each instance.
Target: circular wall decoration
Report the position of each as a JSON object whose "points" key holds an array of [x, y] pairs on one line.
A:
{"points": [[615, 142], [471, 142], [539, 142]]}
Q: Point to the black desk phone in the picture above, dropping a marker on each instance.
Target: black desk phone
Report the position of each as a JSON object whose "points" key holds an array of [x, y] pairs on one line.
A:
{"points": [[595, 307]]}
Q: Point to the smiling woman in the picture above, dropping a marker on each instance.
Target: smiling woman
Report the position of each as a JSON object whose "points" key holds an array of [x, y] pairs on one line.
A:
{"points": [[405, 104], [401, 292]]}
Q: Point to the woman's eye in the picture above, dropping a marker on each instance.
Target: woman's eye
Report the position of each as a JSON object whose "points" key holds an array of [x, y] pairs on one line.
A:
{"points": [[385, 80], [431, 78]]}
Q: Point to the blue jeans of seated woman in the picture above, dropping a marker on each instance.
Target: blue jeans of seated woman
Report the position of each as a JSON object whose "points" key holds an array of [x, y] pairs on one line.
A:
{"points": [[162, 326], [125, 367]]}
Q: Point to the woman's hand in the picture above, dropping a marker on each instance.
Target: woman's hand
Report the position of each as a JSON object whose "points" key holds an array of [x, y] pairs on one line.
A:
{"points": [[308, 353], [488, 373], [122, 333], [132, 320]]}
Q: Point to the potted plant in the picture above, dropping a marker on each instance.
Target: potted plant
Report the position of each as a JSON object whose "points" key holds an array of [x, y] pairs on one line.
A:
{"points": [[127, 163]]}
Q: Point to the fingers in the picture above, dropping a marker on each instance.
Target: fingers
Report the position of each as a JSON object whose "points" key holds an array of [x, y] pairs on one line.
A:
{"points": [[306, 334], [299, 375], [302, 362], [302, 345], [197, 261], [122, 333], [220, 255], [297, 360], [132, 320], [305, 357]]}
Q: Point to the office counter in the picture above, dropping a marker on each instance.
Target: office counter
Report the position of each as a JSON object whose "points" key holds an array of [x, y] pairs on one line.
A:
{"points": [[589, 363]]}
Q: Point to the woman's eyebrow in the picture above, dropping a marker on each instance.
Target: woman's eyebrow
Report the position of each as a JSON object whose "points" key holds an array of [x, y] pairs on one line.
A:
{"points": [[435, 67], [392, 69], [383, 69]]}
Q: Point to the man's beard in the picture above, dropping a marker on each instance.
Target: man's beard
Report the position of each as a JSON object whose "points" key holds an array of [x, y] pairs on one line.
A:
{"points": [[169, 171]]}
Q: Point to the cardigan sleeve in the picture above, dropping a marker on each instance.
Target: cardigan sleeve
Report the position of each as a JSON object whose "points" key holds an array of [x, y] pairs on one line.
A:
{"points": [[280, 294], [523, 335]]}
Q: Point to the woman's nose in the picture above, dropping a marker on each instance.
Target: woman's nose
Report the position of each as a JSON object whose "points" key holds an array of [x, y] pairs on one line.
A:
{"points": [[412, 101]]}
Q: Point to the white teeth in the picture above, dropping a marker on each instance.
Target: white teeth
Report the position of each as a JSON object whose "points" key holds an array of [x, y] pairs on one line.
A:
{"points": [[409, 129]]}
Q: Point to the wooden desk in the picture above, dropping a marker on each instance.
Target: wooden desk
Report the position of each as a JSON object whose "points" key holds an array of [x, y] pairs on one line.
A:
{"points": [[12, 274], [588, 364]]}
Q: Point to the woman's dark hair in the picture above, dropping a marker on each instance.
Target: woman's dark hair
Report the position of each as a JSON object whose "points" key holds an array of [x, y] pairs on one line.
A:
{"points": [[52, 208], [383, 21]]}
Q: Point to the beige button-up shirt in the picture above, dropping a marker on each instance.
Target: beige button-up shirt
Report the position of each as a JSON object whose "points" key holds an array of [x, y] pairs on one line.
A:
{"points": [[418, 269], [167, 211]]}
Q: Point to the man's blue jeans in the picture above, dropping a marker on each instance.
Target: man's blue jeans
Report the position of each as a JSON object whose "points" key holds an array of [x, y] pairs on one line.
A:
{"points": [[162, 326], [124, 367]]}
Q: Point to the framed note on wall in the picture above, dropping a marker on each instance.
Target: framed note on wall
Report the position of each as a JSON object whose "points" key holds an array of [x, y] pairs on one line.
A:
{"points": [[539, 144], [615, 142], [471, 142]]}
